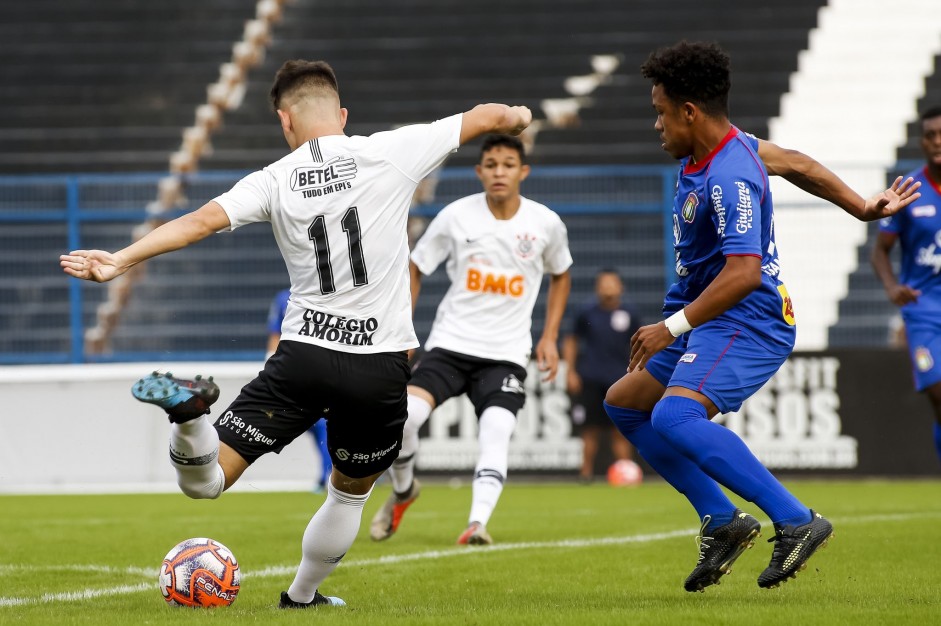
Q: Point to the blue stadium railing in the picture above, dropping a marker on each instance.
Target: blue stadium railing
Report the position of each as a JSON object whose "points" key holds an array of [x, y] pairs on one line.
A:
{"points": [[43, 216]]}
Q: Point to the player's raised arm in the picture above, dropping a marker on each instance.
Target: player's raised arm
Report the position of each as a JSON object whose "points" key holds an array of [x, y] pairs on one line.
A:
{"points": [[804, 172], [494, 118], [100, 266]]}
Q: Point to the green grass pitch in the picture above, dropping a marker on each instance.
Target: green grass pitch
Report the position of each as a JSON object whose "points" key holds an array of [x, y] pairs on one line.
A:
{"points": [[564, 554]]}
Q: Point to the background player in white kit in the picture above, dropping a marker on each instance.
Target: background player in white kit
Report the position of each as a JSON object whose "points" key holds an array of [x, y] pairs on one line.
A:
{"points": [[338, 207], [498, 245]]}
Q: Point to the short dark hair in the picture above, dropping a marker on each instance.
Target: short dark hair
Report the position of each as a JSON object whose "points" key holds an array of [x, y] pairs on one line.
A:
{"points": [[697, 72], [606, 271], [507, 141], [930, 113], [298, 73]]}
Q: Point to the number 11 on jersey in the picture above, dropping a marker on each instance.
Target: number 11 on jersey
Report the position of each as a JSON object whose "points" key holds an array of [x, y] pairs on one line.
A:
{"points": [[317, 232]]}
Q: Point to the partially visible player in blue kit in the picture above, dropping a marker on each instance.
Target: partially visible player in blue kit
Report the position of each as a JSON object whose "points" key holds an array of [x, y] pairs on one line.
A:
{"points": [[918, 289], [729, 321], [318, 432]]}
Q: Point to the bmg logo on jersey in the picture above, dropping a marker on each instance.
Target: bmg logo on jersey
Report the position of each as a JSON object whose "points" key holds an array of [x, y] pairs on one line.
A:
{"points": [[744, 208], [493, 282]]}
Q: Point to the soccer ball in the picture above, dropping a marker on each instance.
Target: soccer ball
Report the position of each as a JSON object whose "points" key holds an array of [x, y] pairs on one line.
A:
{"points": [[199, 573], [624, 473]]}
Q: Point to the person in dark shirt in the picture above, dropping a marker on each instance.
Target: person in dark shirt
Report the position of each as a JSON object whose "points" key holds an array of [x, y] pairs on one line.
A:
{"points": [[597, 351]]}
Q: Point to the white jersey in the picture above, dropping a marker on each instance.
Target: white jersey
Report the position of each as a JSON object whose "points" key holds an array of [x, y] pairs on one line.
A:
{"points": [[496, 268], [338, 207]]}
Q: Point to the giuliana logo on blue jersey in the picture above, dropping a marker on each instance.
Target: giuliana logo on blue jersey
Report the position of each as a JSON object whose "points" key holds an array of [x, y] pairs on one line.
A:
{"points": [[930, 256], [689, 207], [743, 222]]}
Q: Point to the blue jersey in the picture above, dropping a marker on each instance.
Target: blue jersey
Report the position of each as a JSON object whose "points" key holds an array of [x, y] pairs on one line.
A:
{"points": [[277, 310], [723, 208], [918, 227]]}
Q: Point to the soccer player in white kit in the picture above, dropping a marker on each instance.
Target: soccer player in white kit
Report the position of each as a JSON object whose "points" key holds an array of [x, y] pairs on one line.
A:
{"points": [[338, 207], [497, 245]]}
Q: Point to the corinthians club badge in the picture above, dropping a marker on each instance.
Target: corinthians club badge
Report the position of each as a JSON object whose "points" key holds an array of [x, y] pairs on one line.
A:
{"points": [[524, 245]]}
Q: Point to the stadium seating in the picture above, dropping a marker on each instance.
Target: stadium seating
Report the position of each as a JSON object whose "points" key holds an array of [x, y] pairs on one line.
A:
{"points": [[130, 92], [107, 85], [866, 313], [405, 63], [86, 74]]}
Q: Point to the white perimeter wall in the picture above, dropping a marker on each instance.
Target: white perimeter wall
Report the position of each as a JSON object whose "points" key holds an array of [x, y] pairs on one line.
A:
{"points": [[849, 102], [78, 429]]}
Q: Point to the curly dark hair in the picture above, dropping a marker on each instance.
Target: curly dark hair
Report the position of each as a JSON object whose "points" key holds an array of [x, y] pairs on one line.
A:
{"points": [[299, 73], [697, 72], [930, 113], [507, 141]]}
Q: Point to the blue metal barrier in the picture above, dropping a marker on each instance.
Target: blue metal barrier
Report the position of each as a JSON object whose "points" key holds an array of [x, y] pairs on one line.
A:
{"points": [[43, 216]]}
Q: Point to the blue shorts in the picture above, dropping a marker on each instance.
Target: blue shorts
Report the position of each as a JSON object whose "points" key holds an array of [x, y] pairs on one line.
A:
{"points": [[924, 347], [724, 363]]}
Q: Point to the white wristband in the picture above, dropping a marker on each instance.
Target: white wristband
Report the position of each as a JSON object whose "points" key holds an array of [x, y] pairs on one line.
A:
{"points": [[677, 323]]}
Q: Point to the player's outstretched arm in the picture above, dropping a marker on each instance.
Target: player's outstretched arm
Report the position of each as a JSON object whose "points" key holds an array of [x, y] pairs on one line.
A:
{"points": [[100, 266], [547, 350], [807, 174], [494, 118], [889, 202]]}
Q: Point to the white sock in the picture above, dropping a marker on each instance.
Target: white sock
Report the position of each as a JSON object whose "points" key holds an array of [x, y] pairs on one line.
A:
{"points": [[496, 428], [402, 471], [329, 535], [194, 453]]}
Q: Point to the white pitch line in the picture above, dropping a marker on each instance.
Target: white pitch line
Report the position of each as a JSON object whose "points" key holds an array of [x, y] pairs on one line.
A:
{"points": [[72, 596], [74, 567], [282, 570]]}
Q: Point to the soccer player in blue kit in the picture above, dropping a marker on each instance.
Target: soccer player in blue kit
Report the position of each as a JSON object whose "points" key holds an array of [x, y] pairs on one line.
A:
{"points": [[918, 290], [730, 324]]}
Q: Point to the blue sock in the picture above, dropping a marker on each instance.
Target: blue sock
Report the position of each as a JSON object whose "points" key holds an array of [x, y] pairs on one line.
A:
{"points": [[319, 433], [721, 454], [720, 519], [701, 491], [937, 438]]}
